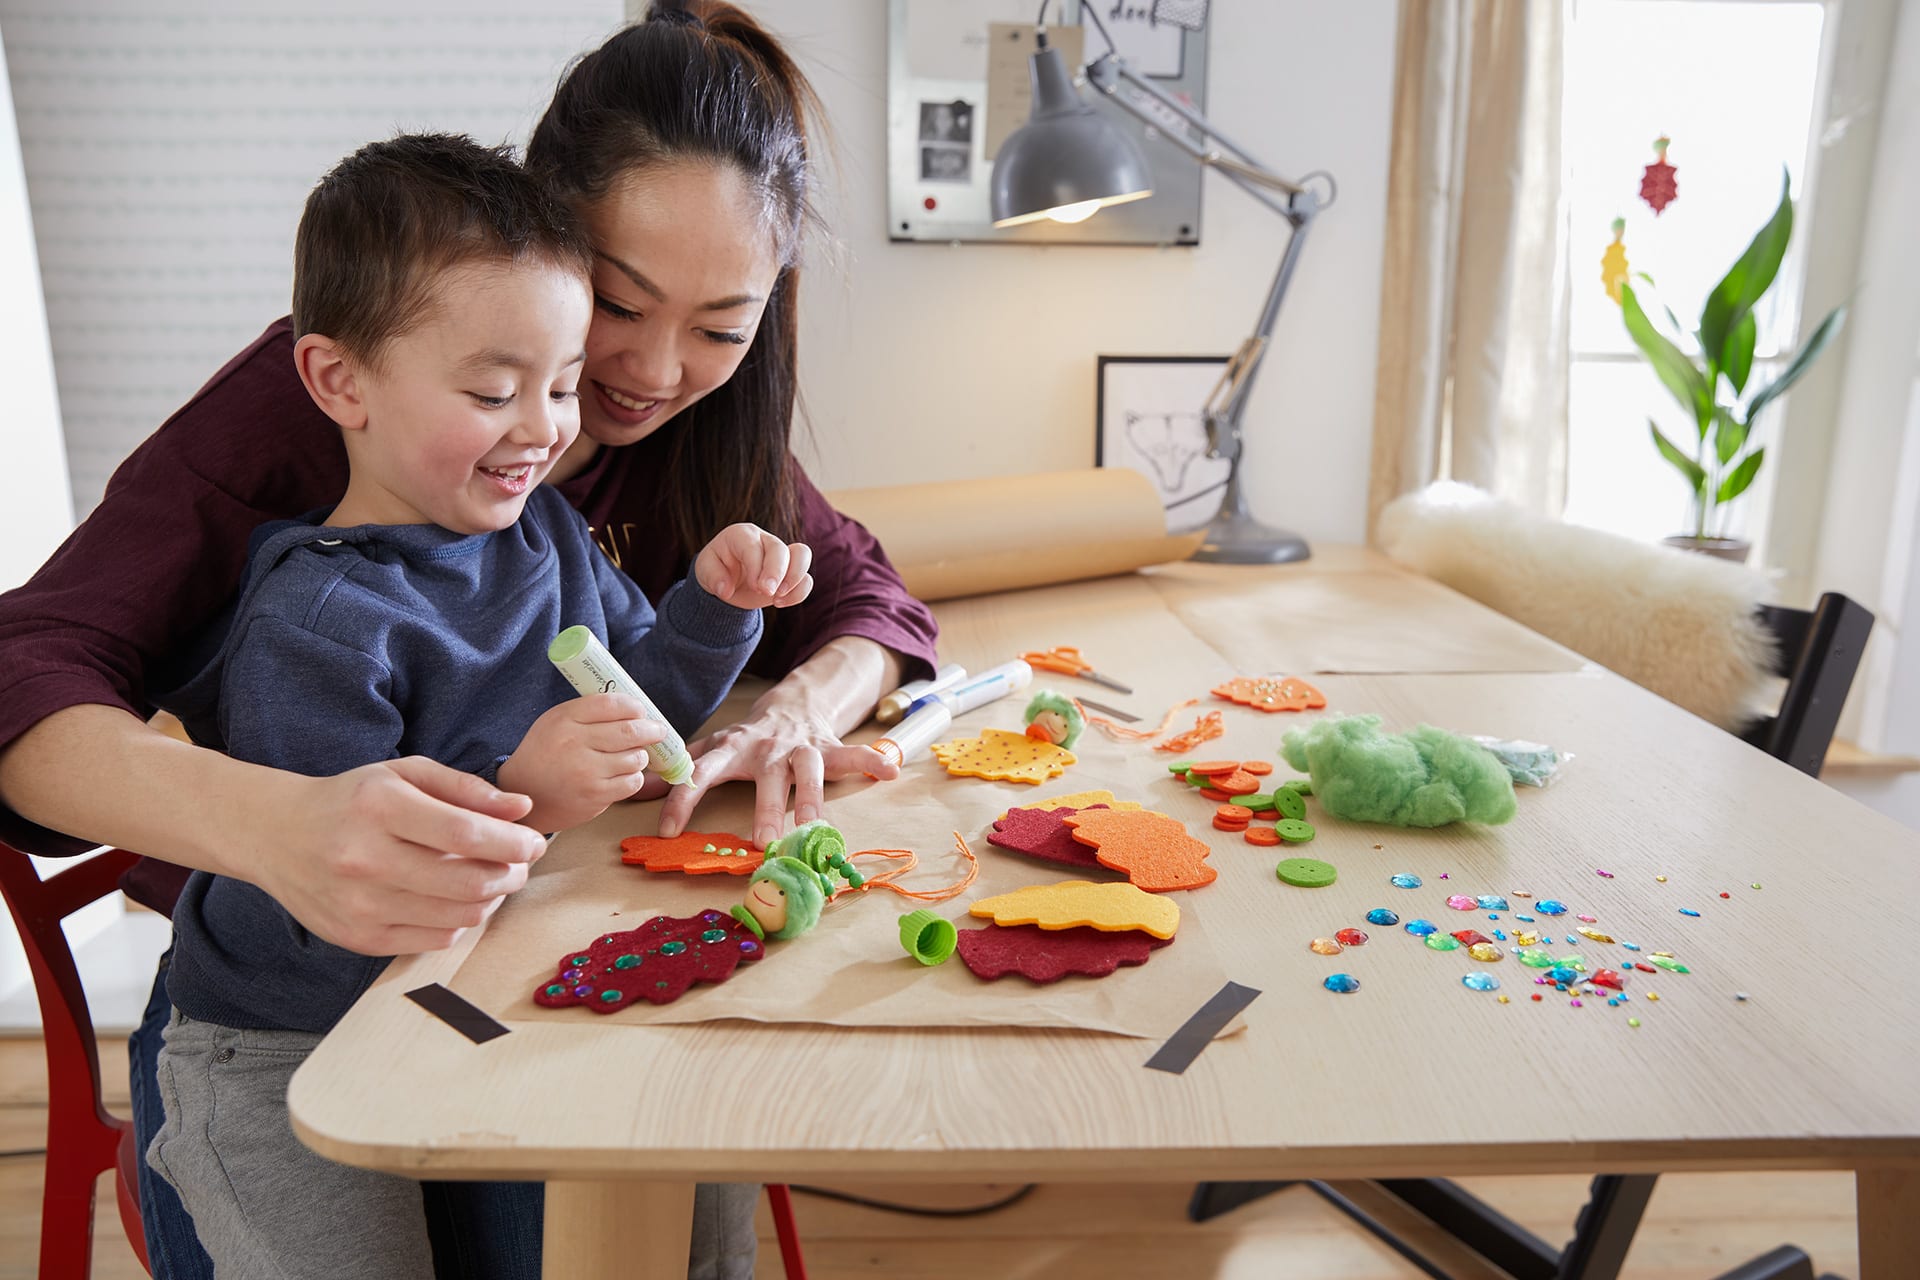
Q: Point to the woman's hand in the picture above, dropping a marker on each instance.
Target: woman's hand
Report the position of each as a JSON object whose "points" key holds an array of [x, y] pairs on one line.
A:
{"points": [[789, 745]]}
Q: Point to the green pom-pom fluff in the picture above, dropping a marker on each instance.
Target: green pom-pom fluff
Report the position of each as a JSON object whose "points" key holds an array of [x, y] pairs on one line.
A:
{"points": [[806, 897], [1425, 777]]}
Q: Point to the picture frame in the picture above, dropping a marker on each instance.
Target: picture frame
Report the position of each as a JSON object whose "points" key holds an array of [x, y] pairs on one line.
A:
{"points": [[1148, 416]]}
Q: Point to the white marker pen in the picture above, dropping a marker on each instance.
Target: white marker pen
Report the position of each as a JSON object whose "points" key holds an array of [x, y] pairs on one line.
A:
{"points": [[894, 705], [590, 669]]}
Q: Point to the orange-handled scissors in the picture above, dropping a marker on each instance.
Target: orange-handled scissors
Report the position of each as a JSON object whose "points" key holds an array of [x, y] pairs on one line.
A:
{"points": [[1069, 662]]}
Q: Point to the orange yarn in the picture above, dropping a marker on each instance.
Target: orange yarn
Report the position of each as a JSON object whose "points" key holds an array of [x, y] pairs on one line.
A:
{"points": [[1205, 729], [908, 860]]}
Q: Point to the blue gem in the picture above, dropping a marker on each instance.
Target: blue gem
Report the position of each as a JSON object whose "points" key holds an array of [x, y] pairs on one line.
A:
{"points": [[1341, 983], [1421, 928], [1481, 982], [1382, 915], [1689, 911], [1524, 919], [1550, 907], [1405, 880], [1491, 902]]}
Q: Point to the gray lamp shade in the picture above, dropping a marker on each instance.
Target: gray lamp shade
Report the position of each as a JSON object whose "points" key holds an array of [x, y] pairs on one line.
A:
{"points": [[1066, 155]]}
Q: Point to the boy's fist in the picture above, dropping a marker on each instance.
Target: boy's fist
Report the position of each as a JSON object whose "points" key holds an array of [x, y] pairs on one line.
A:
{"points": [[749, 568], [580, 756]]}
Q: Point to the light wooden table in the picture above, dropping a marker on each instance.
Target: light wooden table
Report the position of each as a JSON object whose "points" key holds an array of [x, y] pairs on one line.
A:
{"points": [[1413, 1075]]}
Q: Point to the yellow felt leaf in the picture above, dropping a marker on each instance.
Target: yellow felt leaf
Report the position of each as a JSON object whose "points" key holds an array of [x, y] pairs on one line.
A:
{"points": [[1000, 756], [1072, 903], [1082, 800]]}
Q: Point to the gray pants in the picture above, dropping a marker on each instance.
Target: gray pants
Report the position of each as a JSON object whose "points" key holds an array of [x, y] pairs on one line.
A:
{"points": [[266, 1206]]}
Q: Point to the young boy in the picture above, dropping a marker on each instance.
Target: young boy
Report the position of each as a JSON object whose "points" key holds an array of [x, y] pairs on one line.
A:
{"points": [[441, 303]]}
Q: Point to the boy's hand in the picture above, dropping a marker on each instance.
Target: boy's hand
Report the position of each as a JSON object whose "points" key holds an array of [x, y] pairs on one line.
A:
{"points": [[579, 757], [749, 568]]}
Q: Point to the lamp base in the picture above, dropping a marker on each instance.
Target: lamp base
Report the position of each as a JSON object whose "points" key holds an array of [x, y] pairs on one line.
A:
{"points": [[1235, 537]]}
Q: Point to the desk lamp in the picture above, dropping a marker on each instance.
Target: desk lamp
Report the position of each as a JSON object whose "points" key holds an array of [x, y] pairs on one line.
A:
{"points": [[1068, 162]]}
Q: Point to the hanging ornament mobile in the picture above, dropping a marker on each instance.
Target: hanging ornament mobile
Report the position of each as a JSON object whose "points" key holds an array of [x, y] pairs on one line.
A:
{"points": [[1657, 186], [1613, 263]]}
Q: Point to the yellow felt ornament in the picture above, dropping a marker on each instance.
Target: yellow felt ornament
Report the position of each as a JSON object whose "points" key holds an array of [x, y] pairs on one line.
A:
{"points": [[1613, 263], [1005, 757]]}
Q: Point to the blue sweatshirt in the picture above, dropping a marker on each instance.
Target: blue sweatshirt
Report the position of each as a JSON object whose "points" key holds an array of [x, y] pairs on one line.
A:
{"points": [[354, 645]]}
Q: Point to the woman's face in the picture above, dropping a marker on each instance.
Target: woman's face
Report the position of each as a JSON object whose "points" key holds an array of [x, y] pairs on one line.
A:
{"points": [[683, 269]]}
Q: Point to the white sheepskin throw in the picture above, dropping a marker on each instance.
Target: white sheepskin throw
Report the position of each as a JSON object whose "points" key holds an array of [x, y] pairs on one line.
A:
{"points": [[1680, 624]]}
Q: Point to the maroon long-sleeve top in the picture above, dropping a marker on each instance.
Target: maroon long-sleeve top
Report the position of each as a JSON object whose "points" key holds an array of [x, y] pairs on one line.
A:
{"points": [[140, 582]]}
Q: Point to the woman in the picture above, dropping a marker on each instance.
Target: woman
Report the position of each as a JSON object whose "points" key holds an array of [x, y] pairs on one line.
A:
{"points": [[682, 142]]}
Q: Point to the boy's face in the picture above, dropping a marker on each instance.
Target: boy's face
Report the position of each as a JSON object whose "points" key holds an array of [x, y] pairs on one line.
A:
{"points": [[472, 406]]}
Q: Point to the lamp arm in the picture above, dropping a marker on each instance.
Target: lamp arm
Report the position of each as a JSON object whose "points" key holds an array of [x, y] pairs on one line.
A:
{"points": [[1106, 73]]}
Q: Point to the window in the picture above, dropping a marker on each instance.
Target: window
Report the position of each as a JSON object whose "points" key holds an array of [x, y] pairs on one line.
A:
{"points": [[1734, 86]]}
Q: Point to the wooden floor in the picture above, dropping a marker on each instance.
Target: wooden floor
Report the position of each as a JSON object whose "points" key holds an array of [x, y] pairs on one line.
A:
{"points": [[1698, 1226]]}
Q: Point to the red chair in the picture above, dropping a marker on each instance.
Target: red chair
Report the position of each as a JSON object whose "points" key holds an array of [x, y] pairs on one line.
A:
{"points": [[84, 1139]]}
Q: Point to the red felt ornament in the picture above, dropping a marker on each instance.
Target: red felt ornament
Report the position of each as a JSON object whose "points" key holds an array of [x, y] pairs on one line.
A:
{"points": [[1657, 186], [656, 962]]}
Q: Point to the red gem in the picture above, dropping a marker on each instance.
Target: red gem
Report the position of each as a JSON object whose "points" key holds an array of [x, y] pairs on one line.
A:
{"points": [[1467, 937], [1350, 937], [1536, 995], [1646, 968], [1608, 978], [1726, 895]]}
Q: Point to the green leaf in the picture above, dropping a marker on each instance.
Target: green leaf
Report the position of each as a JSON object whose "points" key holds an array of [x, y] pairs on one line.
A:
{"points": [[1729, 433], [1688, 385], [1737, 360], [1800, 363], [1696, 478], [1748, 278], [1741, 476]]}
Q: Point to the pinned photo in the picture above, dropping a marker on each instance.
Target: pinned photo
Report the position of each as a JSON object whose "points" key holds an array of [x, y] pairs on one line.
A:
{"points": [[946, 162], [946, 121]]}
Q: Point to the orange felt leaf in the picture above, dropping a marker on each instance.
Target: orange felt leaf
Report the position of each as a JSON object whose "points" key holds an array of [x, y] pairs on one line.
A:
{"points": [[1272, 693], [1155, 851], [688, 852]]}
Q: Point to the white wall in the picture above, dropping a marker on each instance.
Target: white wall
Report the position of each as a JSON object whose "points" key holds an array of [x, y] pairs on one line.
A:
{"points": [[36, 506], [1868, 533], [930, 362]]}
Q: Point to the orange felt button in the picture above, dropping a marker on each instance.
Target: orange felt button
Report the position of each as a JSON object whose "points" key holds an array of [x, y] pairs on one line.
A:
{"points": [[1262, 835], [1258, 768], [688, 852], [1237, 783], [1211, 767], [1234, 812], [1229, 824], [1154, 850], [1213, 794]]}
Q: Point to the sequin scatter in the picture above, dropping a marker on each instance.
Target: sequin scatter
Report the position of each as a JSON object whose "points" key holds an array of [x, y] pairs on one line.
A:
{"points": [[1341, 983], [1480, 982], [673, 954]]}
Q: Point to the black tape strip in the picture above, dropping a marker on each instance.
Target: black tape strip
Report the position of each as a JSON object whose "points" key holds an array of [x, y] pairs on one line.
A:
{"points": [[1178, 1053], [469, 1020]]}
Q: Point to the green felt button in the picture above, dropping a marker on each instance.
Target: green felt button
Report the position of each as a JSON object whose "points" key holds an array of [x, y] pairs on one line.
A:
{"points": [[1306, 873], [1180, 767], [1259, 801], [1301, 785], [1294, 831], [1289, 804], [1197, 779]]}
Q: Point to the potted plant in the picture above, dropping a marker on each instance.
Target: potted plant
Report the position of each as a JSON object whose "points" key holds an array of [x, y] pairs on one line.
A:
{"points": [[1712, 386]]}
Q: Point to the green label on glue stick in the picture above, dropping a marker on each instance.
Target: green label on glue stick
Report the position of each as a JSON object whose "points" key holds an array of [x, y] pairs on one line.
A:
{"points": [[590, 669]]}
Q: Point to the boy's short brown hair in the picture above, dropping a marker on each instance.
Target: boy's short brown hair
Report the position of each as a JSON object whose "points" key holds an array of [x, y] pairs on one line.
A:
{"points": [[387, 220]]}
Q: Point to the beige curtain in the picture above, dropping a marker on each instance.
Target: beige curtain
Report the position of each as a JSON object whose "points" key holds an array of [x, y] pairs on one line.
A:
{"points": [[1474, 300]]}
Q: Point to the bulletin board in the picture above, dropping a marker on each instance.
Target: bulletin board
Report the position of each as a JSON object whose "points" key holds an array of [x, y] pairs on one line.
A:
{"points": [[957, 85]]}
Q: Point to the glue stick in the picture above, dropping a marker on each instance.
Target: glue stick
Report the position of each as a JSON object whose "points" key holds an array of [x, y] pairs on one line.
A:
{"points": [[914, 734], [590, 669]]}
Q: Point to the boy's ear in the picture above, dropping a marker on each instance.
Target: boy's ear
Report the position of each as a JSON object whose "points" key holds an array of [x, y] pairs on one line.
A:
{"points": [[332, 380]]}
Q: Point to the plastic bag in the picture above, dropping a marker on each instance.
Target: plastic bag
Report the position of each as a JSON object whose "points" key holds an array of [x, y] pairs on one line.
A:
{"points": [[1530, 764]]}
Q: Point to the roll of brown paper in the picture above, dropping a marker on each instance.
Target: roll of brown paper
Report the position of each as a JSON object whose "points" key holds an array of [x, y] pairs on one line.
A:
{"points": [[968, 537]]}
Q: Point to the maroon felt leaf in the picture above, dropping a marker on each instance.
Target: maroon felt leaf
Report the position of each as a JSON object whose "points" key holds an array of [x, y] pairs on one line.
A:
{"points": [[1044, 834], [656, 962], [1048, 955]]}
